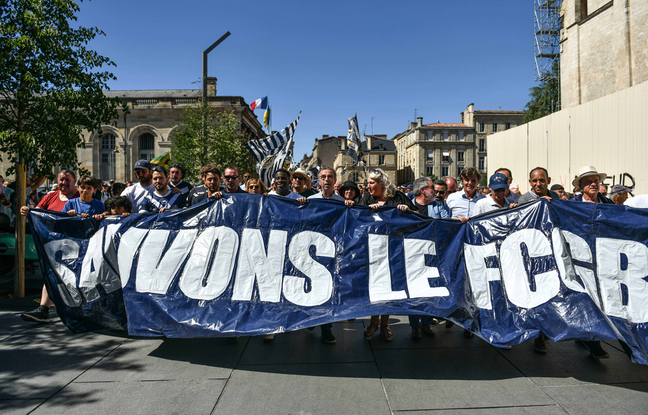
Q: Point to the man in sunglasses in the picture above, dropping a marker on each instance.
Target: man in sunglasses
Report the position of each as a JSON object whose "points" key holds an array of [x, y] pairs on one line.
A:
{"points": [[439, 209], [232, 180], [301, 183]]}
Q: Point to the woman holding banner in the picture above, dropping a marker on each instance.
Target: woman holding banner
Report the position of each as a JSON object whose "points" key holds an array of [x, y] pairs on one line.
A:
{"points": [[382, 192]]}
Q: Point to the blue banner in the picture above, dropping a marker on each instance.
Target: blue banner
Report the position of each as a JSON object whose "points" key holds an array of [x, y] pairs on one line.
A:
{"points": [[249, 264]]}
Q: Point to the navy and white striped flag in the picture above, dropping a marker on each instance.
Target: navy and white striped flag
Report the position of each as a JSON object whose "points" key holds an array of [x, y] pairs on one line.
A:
{"points": [[272, 151], [354, 146]]}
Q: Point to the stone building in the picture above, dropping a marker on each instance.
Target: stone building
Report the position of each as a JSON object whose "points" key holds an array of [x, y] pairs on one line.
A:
{"points": [[378, 152], [604, 48], [325, 151], [442, 149], [485, 123], [146, 131]]}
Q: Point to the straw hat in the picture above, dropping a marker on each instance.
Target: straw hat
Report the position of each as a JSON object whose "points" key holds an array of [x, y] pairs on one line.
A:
{"points": [[302, 173], [587, 171]]}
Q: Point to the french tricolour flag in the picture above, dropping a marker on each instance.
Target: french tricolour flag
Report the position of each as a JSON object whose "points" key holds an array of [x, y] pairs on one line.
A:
{"points": [[260, 103]]}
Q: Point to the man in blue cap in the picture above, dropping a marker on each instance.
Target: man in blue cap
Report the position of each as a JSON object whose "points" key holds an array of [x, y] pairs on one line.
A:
{"points": [[498, 185]]}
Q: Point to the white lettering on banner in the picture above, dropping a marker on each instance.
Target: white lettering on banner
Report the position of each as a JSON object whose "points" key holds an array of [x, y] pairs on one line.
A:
{"points": [[568, 271], [514, 273], [418, 274], [95, 269], [69, 252], [154, 271], [128, 245], [254, 263], [613, 275], [380, 288], [480, 276], [194, 281], [320, 277]]}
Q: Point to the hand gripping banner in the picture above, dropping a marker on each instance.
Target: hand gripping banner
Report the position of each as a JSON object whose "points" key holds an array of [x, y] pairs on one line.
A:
{"points": [[249, 264]]}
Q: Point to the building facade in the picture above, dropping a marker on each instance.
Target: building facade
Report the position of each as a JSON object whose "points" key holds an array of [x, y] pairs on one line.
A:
{"points": [[442, 149], [146, 130], [325, 151], [485, 123], [379, 152], [603, 48]]}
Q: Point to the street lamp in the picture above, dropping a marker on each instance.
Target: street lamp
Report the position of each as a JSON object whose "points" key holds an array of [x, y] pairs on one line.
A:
{"points": [[204, 63]]}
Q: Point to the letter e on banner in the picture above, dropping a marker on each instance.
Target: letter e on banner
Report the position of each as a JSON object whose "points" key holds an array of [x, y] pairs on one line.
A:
{"points": [[418, 274]]}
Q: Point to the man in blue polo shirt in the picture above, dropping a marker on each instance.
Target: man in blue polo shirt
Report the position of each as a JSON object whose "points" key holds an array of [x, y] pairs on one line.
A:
{"points": [[462, 203], [163, 197]]}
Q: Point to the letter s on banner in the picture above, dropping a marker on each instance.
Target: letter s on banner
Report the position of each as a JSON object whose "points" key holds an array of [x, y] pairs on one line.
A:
{"points": [[417, 272], [253, 262], [193, 277], [515, 274], [478, 275], [321, 279], [69, 251], [612, 275]]}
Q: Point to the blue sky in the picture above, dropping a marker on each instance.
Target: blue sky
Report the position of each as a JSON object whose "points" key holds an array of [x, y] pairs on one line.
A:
{"points": [[329, 59]]}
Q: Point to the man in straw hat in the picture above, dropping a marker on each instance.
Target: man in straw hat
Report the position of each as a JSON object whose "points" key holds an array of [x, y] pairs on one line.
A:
{"points": [[301, 183], [588, 180]]}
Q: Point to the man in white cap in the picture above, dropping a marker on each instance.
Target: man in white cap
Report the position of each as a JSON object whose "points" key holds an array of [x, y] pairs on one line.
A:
{"points": [[588, 180], [301, 182]]}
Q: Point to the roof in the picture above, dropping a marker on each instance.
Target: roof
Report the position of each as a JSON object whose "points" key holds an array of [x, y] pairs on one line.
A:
{"points": [[448, 124], [155, 93], [498, 112], [379, 144]]}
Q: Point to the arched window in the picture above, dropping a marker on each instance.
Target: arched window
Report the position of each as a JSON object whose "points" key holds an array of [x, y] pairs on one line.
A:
{"points": [[146, 146], [107, 157]]}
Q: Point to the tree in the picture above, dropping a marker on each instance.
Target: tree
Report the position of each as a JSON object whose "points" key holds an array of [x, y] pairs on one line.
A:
{"points": [[545, 98], [50, 89], [206, 136], [433, 177]]}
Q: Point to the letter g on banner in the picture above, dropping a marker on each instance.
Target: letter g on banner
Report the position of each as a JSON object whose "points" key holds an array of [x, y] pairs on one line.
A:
{"points": [[514, 272]]}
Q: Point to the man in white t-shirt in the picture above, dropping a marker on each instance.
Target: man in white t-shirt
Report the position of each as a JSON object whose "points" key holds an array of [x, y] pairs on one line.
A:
{"points": [[138, 192], [497, 199]]}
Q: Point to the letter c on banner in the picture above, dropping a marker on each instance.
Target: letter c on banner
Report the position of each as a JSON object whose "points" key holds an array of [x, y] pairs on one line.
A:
{"points": [[514, 272], [321, 279]]}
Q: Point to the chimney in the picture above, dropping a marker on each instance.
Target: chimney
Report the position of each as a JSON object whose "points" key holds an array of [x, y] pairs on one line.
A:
{"points": [[368, 139], [419, 121], [210, 81]]}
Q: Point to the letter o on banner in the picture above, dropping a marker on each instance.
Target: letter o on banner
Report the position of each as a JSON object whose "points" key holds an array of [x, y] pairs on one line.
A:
{"points": [[515, 276]]}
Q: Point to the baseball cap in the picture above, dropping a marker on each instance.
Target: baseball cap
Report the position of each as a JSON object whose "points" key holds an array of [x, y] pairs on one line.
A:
{"points": [[498, 181], [142, 164], [619, 188]]}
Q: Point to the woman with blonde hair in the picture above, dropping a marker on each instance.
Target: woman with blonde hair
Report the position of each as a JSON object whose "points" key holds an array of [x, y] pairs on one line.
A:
{"points": [[255, 186], [382, 192]]}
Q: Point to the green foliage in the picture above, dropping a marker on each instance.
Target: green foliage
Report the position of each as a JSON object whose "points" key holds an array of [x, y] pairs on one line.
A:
{"points": [[545, 98], [50, 84], [433, 177], [207, 136]]}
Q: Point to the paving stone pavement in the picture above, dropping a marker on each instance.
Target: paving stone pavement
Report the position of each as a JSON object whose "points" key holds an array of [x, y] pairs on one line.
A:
{"points": [[46, 369]]}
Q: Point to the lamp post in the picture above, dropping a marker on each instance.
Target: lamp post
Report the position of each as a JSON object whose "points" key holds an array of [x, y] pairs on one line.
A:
{"points": [[204, 63]]}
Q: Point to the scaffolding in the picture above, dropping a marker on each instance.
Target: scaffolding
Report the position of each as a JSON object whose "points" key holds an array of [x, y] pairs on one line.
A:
{"points": [[547, 37]]}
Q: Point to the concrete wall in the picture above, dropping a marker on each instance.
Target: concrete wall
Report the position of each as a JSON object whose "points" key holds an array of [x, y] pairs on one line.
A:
{"points": [[609, 133], [604, 51]]}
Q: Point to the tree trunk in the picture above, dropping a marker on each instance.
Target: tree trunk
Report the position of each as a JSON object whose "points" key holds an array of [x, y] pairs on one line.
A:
{"points": [[19, 273]]}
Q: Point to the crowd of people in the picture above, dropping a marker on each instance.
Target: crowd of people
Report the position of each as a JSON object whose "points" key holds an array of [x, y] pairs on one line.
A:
{"points": [[159, 189]]}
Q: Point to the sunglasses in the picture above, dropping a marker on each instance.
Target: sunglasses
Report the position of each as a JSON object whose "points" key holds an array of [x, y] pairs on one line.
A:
{"points": [[441, 192], [230, 177], [298, 178], [254, 186]]}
